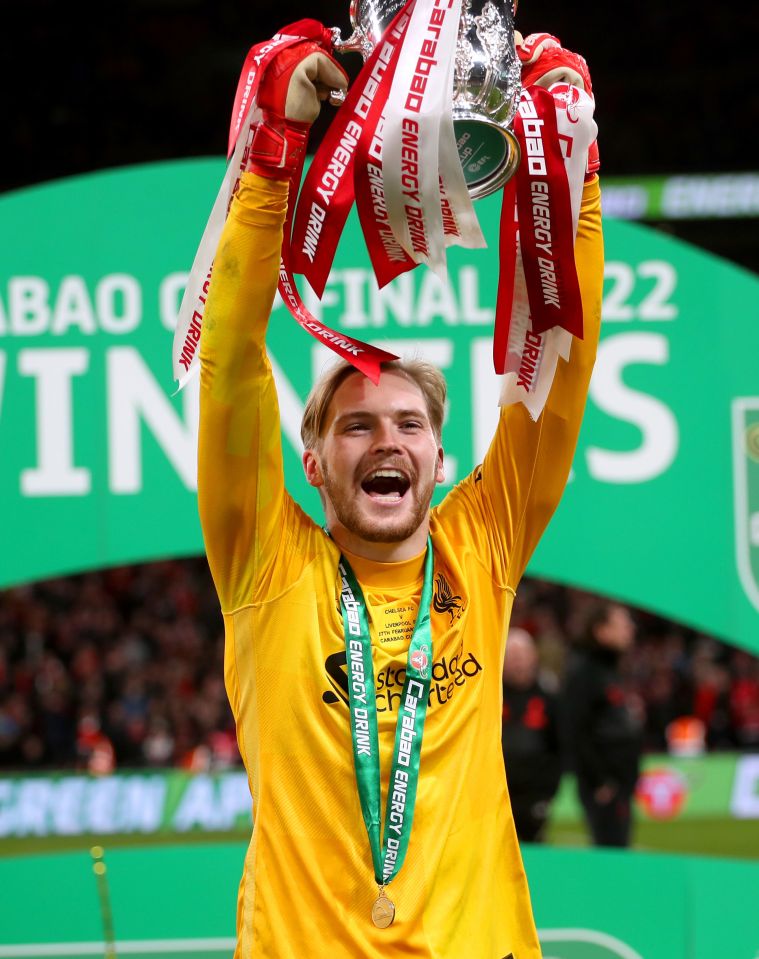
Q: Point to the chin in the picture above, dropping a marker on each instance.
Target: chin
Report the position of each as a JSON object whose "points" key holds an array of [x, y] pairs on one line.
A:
{"points": [[379, 523], [373, 528], [383, 530], [380, 533]]}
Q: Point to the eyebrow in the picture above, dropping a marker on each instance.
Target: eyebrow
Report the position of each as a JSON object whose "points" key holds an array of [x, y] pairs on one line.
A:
{"points": [[367, 414]]}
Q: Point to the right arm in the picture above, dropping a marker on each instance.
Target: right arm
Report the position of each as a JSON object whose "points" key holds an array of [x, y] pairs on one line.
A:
{"points": [[241, 491], [240, 474]]}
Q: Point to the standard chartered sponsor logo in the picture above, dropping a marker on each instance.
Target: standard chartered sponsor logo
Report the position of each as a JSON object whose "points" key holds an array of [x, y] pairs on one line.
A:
{"points": [[449, 674]]}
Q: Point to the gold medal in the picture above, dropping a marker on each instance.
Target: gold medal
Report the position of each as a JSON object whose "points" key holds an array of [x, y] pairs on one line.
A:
{"points": [[383, 910]]}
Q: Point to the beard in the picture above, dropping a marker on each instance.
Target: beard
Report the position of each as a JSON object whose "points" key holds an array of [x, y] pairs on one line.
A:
{"points": [[390, 530]]}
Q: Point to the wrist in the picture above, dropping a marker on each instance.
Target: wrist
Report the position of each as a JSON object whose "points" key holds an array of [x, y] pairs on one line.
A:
{"points": [[277, 148]]}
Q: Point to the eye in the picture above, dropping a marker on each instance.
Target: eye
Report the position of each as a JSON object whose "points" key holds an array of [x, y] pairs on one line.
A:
{"points": [[411, 425], [355, 427]]}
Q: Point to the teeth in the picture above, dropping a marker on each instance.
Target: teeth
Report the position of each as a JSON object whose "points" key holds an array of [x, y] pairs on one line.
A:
{"points": [[387, 474]]}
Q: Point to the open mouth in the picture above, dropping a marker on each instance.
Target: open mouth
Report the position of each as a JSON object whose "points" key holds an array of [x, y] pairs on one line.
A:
{"points": [[388, 485]]}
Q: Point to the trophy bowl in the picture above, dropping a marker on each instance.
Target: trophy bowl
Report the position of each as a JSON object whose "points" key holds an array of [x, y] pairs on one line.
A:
{"points": [[486, 84]]}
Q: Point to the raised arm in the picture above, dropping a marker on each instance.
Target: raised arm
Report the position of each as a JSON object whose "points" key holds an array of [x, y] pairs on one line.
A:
{"points": [[241, 491], [527, 466], [516, 490], [240, 477]]}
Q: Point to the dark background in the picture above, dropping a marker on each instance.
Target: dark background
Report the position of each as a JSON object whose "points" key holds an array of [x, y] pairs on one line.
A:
{"points": [[86, 87]]}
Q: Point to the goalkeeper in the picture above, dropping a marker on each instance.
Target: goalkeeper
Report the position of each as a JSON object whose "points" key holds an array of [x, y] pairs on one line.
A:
{"points": [[408, 849]]}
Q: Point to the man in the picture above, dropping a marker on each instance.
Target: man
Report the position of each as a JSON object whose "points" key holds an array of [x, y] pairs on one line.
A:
{"points": [[603, 736], [529, 737], [301, 606]]}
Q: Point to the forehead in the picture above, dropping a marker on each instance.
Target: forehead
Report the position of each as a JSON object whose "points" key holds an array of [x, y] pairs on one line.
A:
{"points": [[357, 393]]}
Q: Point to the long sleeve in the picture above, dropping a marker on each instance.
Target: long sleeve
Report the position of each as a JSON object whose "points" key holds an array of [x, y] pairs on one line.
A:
{"points": [[513, 495], [240, 474]]}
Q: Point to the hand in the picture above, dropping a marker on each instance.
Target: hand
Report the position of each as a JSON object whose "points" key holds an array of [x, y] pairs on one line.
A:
{"points": [[545, 62], [296, 82]]}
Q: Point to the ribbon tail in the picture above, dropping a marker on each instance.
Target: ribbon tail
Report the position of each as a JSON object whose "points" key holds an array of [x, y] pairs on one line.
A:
{"points": [[460, 224], [363, 356], [190, 317], [506, 274], [415, 108], [550, 204]]}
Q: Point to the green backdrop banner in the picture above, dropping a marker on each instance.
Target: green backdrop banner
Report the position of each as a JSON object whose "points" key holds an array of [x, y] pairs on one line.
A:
{"points": [[180, 901], [98, 459], [173, 802]]}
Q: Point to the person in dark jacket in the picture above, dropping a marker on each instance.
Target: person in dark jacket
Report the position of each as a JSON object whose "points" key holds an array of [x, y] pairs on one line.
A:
{"points": [[601, 734], [529, 737]]}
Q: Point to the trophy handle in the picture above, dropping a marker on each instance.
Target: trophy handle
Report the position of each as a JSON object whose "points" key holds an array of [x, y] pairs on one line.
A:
{"points": [[357, 42]]}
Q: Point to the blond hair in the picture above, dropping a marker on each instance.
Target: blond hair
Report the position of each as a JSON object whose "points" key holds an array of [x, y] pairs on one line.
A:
{"points": [[427, 377]]}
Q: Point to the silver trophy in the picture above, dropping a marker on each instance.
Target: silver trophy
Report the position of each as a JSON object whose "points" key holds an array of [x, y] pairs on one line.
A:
{"points": [[486, 86]]}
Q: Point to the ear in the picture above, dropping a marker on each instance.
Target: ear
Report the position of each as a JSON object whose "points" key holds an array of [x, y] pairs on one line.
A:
{"points": [[312, 469], [440, 469]]}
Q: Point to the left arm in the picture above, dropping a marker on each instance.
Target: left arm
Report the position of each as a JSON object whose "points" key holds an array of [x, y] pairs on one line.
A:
{"points": [[527, 466], [512, 496]]}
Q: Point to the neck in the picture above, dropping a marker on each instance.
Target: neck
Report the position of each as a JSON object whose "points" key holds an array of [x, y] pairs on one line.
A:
{"points": [[381, 552]]}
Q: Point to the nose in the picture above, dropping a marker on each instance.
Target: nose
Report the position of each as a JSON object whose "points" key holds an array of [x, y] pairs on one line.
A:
{"points": [[385, 438]]}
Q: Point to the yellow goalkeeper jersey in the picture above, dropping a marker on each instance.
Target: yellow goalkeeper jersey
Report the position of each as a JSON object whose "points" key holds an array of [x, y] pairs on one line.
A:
{"points": [[308, 882]]}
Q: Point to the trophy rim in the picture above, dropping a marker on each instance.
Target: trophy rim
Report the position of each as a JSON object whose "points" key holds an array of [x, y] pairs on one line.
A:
{"points": [[497, 179]]}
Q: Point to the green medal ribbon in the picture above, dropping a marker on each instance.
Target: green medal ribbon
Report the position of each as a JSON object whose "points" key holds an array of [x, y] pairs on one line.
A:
{"points": [[387, 855]]}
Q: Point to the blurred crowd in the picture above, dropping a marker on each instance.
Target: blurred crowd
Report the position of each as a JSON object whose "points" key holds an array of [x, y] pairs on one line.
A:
{"points": [[670, 673], [124, 668]]}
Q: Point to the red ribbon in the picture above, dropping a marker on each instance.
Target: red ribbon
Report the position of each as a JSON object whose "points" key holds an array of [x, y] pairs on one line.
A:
{"points": [[545, 218], [258, 58], [541, 226], [337, 175], [507, 258], [363, 356]]}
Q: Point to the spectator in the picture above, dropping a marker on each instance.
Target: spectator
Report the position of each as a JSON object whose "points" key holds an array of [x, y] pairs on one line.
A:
{"points": [[529, 737], [139, 650], [603, 737]]}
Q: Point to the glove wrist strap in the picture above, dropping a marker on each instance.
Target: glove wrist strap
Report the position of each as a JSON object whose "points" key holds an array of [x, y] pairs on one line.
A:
{"points": [[277, 148]]}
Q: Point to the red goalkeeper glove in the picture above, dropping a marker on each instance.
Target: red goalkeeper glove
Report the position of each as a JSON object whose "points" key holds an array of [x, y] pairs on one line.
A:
{"points": [[295, 83], [545, 62]]}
